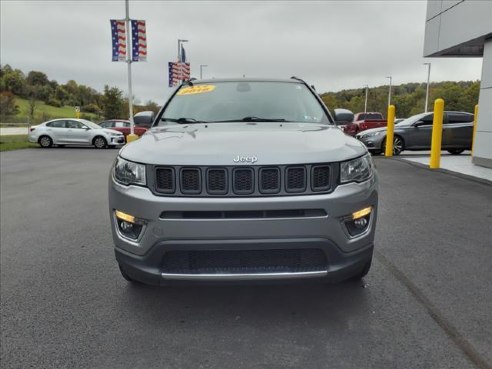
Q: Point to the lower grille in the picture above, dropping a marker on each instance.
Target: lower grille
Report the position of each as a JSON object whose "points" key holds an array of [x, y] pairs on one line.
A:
{"points": [[244, 261]]}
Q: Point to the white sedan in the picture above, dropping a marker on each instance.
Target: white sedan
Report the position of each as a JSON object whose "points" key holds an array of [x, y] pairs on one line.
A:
{"points": [[74, 132]]}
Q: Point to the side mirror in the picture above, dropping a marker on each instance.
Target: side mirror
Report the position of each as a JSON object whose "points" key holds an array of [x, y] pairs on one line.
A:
{"points": [[144, 119], [343, 116]]}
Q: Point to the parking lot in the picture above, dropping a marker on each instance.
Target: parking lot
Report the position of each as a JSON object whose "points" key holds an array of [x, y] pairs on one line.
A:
{"points": [[425, 303]]}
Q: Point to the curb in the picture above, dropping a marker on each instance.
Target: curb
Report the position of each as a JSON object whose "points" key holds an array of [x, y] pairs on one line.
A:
{"points": [[444, 171]]}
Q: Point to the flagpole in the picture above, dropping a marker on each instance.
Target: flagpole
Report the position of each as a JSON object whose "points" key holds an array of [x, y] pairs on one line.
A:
{"points": [[129, 49]]}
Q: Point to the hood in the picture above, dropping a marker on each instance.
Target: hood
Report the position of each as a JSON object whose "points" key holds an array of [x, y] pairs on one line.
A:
{"points": [[221, 143], [372, 130]]}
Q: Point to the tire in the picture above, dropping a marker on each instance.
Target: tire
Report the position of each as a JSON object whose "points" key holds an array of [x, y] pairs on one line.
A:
{"points": [[362, 273], [99, 142], [375, 152], [45, 142], [455, 151], [398, 145]]}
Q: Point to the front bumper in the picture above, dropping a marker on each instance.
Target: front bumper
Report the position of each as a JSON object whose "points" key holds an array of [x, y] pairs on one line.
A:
{"points": [[345, 255], [118, 140], [371, 142]]}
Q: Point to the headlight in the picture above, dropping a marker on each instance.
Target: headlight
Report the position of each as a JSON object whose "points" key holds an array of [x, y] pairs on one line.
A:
{"points": [[356, 170], [127, 172], [116, 134]]}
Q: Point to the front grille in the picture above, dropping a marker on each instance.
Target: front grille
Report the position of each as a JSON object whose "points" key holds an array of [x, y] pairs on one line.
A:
{"points": [[321, 178], [296, 179], [232, 181], [244, 261], [190, 180], [243, 181]]}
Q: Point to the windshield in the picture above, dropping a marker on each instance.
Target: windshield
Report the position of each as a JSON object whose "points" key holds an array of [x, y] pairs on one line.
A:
{"points": [[244, 101], [90, 124]]}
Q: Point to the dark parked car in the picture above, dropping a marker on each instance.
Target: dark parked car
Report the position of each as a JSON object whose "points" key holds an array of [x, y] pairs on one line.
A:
{"points": [[122, 126], [415, 133]]}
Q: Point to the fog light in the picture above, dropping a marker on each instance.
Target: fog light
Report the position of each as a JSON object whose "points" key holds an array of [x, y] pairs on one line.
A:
{"points": [[128, 225], [358, 222]]}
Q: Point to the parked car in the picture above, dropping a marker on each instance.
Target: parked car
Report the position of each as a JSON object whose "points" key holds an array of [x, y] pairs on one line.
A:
{"points": [[74, 132], [244, 179], [363, 121], [415, 133], [123, 126]]}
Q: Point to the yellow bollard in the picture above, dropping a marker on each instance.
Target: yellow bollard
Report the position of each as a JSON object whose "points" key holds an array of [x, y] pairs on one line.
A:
{"points": [[78, 114], [475, 119], [390, 129], [131, 138], [435, 159]]}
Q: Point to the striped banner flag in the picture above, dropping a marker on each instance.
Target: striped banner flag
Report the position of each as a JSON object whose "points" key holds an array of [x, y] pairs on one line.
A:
{"points": [[178, 72], [118, 33], [139, 41]]}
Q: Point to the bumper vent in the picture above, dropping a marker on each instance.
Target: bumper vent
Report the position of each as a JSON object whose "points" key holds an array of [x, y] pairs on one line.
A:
{"points": [[244, 261], [232, 181]]}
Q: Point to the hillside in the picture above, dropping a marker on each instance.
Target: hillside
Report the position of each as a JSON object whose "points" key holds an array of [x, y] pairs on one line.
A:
{"points": [[44, 112]]}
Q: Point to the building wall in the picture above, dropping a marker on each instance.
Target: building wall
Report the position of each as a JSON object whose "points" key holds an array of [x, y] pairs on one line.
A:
{"points": [[463, 28]]}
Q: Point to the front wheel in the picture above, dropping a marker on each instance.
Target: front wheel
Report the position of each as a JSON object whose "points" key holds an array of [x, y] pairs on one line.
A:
{"points": [[100, 142], [455, 151], [45, 141], [398, 145]]}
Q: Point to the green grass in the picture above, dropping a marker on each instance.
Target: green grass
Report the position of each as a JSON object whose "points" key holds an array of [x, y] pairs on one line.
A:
{"points": [[15, 142], [45, 112]]}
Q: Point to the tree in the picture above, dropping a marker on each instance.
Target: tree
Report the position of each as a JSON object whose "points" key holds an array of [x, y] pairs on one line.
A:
{"points": [[8, 108], [112, 102], [35, 78]]}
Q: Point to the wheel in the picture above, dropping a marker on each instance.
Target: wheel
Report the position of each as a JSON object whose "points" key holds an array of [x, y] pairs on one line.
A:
{"points": [[455, 151], [45, 141], [398, 145], [363, 272], [100, 142]]}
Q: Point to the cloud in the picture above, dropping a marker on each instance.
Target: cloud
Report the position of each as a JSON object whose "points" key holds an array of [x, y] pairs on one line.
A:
{"points": [[334, 45]]}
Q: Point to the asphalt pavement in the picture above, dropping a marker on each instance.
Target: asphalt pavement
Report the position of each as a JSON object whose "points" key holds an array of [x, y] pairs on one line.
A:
{"points": [[425, 303]]}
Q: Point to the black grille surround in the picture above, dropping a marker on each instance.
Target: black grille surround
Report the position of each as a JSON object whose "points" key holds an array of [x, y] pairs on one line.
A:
{"points": [[242, 181]]}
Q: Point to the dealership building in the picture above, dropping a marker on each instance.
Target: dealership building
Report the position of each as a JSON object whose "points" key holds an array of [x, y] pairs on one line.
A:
{"points": [[463, 28]]}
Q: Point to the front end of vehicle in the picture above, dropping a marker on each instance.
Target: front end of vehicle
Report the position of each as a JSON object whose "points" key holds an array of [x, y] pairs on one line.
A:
{"points": [[245, 221], [113, 137], [372, 138]]}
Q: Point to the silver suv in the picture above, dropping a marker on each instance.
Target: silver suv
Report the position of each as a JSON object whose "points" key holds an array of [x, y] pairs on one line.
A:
{"points": [[243, 179]]}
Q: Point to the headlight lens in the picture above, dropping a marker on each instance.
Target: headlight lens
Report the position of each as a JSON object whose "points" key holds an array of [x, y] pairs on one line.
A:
{"points": [[127, 172], [115, 134], [356, 170]]}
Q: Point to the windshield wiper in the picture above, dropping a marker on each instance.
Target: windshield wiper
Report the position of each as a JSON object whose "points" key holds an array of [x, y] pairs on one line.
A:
{"points": [[182, 120], [252, 119]]}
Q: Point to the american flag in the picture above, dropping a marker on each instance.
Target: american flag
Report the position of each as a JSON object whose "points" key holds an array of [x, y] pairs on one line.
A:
{"points": [[139, 41], [178, 72], [118, 33]]}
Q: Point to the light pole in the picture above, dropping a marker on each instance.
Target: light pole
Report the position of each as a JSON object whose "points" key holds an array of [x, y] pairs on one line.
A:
{"points": [[365, 103], [201, 70], [180, 41], [428, 84], [129, 61], [389, 91]]}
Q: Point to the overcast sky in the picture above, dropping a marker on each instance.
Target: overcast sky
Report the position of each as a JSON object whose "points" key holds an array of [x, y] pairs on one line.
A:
{"points": [[331, 44]]}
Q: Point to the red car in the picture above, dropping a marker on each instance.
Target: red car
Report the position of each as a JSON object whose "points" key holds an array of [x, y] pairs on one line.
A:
{"points": [[122, 126], [363, 121]]}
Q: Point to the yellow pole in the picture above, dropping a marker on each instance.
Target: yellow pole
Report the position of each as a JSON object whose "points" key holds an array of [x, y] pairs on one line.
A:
{"points": [[390, 129], [475, 119], [435, 159], [78, 114]]}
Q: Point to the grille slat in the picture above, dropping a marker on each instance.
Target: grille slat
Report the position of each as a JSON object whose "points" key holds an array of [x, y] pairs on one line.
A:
{"points": [[232, 181]]}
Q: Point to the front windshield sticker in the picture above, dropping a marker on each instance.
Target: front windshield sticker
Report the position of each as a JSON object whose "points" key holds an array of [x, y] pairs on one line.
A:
{"points": [[199, 89]]}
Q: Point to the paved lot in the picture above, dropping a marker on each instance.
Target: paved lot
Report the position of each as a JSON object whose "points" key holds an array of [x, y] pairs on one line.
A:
{"points": [[425, 304]]}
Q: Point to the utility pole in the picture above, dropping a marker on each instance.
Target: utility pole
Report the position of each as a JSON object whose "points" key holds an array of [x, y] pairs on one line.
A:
{"points": [[201, 70], [129, 62], [389, 91], [428, 85], [365, 104]]}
